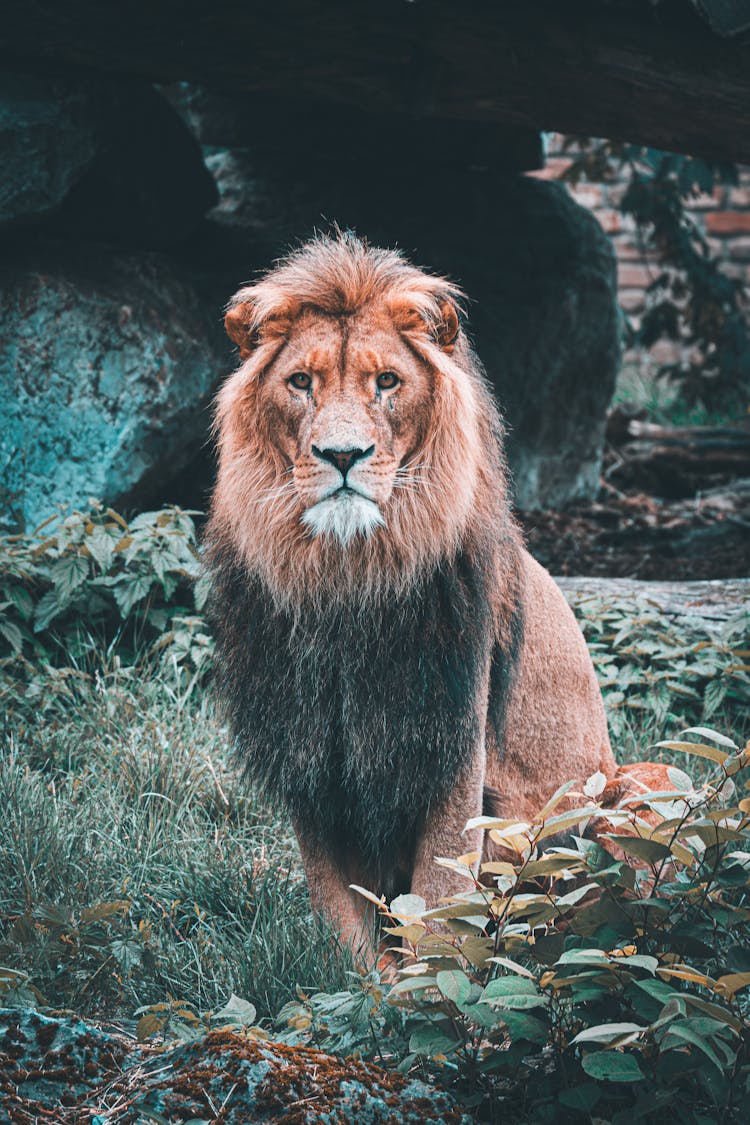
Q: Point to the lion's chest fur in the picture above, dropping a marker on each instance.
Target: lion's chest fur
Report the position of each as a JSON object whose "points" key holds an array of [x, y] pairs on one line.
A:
{"points": [[357, 719]]}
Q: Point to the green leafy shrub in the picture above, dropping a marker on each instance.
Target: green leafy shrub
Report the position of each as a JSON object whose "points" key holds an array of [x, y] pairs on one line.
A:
{"points": [[89, 587], [657, 671], [579, 980]]}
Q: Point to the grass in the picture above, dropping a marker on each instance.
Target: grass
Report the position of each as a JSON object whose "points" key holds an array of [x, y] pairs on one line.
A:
{"points": [[136, 866]]}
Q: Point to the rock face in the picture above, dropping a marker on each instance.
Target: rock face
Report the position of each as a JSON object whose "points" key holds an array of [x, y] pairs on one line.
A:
{"points": [[104, 377], [63, 1069], [538, 269], [47, 141], [110, 161]]}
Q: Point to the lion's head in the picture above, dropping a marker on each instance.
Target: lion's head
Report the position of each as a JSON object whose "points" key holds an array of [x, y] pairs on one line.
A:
{"points": [[357, 440]]}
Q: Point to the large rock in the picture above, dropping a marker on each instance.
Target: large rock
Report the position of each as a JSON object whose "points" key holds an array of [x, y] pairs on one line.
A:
{"points": [[539, 270], [67, 1070], [106, 367], [107, 160], [47, 141]]}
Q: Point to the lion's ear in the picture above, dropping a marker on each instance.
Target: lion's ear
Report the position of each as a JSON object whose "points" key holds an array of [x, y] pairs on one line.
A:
{"points": [[253, 320], [241, 328], [447, 328], [443, 328]]}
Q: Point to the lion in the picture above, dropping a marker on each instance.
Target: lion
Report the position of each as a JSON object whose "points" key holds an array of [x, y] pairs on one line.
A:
{"points": [[390, 654]]}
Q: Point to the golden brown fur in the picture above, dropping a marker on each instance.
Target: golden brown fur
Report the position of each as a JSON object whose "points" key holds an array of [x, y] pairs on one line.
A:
{"points": [[387, 647]]}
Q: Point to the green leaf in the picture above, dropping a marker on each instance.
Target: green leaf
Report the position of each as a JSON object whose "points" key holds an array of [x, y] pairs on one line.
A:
{"points": [[131, 590], [68, 574], [712, 736], [512, 992], [582, 1098], [408, 906], [521, 1025], [12, 634], [649, 851], [605, 1032], [454, 985], [611, 1066], [236, 1011]]}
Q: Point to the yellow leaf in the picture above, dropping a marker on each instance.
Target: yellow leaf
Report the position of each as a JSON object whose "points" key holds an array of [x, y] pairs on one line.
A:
{"points": [[684, 972], [697, 748], [732, 982], [469, 859]]}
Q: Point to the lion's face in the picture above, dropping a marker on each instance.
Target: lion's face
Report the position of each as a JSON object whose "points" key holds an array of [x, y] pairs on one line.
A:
{"points": [[357, 441], [347, 404]]}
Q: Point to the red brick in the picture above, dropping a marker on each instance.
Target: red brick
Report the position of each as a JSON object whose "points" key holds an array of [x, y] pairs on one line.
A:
{"points": [[633, 276], [739, 250], [553, 169], [611, 221], [728, 222], [632, 300], [739, 197]]}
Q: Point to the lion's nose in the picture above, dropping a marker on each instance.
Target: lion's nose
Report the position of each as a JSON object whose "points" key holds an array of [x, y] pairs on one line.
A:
{"points": [[343, 459]]}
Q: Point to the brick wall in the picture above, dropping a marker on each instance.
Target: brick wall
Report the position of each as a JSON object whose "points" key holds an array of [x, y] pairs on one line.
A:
{"points": [[724, 218]]}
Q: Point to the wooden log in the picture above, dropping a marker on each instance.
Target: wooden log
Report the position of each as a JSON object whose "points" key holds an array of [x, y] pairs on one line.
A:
{"points": [[629, 69], [713, 601], [677, 461]]}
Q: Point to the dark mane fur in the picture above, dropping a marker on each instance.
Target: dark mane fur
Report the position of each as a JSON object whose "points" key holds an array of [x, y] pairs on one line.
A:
{"points": [[358, 720]]}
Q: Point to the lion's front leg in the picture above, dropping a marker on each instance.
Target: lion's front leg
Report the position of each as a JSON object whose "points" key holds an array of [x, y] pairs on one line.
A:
{"points": [[330, 895], [444, 836]]}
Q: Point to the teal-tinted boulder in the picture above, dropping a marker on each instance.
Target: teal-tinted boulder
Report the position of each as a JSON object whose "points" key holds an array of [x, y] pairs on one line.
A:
{"points": [[107, 364], [47, 142]]}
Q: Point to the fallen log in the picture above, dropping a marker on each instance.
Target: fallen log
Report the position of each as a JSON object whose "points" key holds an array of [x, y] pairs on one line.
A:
{"points": [[713, 601], [676, 461]]}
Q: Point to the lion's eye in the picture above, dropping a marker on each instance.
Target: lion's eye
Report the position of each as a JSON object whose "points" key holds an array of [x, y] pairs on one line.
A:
{"points": [[301, 381], [387, 380]]}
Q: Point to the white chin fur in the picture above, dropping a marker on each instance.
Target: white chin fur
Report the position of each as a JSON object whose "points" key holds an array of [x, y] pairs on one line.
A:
{"points": [[345, 514]]}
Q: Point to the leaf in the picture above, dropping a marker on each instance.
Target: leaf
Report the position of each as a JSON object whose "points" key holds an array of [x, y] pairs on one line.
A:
{"points": [[554, 801], [149, 1025], [47, 608], [515, 993], [712, 736], [564, 820], [513, 966], [611, 1066], [12, 634], [605, 1032], [696, 748], [379, 902], [236, 1011], [731, 983], [130, 591], [595, 784], [408, 906], [650, 851], [103, 910], [454, 985], [679, 779], [584, 957], [68, 574], [522, 1025], [582, 1098]]}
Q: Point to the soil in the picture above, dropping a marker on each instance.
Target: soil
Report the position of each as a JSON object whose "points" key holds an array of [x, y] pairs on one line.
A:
{"points": [[633, 534]]}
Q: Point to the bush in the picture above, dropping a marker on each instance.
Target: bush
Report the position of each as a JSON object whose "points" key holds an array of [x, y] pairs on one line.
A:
{"points": [[87, 590], [602, 978]]}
